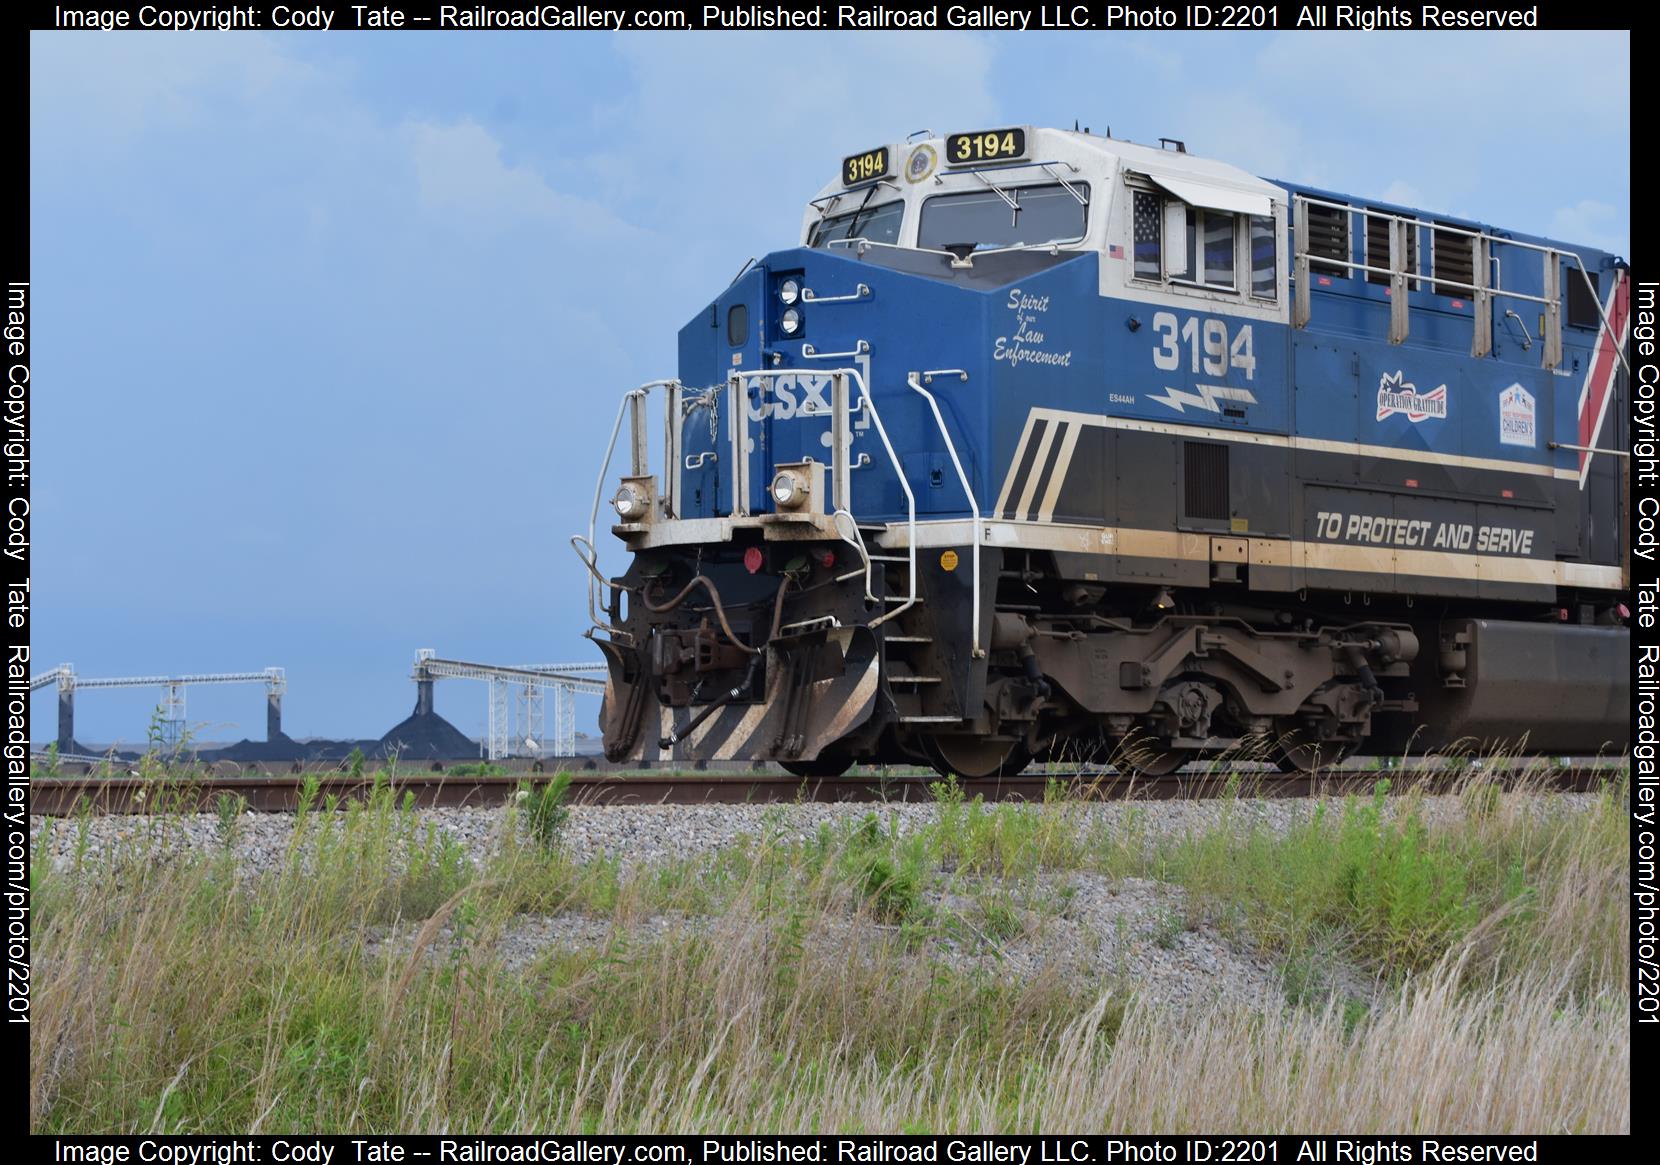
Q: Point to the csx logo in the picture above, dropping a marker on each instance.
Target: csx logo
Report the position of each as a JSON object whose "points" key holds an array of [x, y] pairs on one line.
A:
{"points": [[803, 394]]}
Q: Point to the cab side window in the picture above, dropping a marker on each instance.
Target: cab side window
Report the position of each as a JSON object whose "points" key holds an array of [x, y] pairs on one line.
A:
{"points": [[1265, 279], [1219, 246]]}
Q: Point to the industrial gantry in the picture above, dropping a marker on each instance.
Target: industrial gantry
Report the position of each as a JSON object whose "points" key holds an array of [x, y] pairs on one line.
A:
{"points": [[528, 682], [171, 723]]}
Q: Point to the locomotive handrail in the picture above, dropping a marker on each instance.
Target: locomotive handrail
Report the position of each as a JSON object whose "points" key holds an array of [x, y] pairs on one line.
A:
{"points": [[862, 291], [914, 379], [863, 243], [1481, 253], [633, 403], [1587, 449], [586, 549], [738, 434], [1053, 246], [910, 498], [860, 348], [839, 470]]}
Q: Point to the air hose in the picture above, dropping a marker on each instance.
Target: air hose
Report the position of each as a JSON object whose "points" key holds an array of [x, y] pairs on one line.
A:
{"points": [[676, 735]]}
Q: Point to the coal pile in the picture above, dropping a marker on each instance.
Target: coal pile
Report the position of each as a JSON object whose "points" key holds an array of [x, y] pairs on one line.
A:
{"points": [[425, 736], [422, 736], [76, 748], [428, 737], [284, 747], [341, 750]]}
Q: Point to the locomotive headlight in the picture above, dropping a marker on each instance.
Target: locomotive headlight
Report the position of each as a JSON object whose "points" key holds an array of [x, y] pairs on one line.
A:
{"points": [[789, 291], [789, 490], [790, 322], [629, 503]]}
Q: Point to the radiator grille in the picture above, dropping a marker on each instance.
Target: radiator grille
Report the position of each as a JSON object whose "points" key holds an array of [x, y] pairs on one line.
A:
{"points": [[1206, 472], [1377, 249], [1454, 259], [1328, 235]]}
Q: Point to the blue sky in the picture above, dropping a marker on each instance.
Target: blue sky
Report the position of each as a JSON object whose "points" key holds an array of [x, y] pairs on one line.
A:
{"points": [[330, 328]]}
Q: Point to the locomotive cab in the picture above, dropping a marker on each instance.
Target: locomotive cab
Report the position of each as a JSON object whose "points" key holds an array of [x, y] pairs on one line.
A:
{"points": [[1047, 445]]}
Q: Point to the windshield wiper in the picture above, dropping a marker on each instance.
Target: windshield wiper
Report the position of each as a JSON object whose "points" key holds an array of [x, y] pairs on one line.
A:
{"points": [[853, 224], [1014, 205]]}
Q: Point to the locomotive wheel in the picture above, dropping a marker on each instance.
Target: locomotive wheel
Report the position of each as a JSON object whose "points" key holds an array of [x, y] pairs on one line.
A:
{"points": [[823, 766], [1145, 756], [972, 757], [1296, 750]]}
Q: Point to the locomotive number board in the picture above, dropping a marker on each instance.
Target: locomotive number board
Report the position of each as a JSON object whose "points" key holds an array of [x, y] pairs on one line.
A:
{"points": [[864, 167], [985, 145]]}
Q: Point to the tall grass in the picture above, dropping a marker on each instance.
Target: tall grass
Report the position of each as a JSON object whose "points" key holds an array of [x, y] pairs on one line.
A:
{"points": [[1530, 886], [789, 985]]}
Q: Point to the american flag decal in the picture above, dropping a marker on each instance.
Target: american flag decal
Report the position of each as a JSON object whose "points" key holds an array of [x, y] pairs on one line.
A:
{"points": [[1148, 232], [1114, 251], [1599, 378]]}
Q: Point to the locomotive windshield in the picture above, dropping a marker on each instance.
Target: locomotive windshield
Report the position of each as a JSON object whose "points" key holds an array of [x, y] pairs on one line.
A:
{"points": [[879, 224], [1005, 217]]}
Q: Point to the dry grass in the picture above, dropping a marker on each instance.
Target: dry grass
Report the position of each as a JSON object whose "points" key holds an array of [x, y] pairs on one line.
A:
{"points": [[1431, 1061], [176, 995]]}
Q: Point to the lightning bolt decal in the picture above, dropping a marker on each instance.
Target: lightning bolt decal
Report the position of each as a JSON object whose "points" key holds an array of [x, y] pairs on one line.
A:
{"points": [[1207, 398]]}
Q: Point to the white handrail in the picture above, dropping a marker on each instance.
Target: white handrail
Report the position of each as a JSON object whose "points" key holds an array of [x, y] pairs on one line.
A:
{"points": [[840, 405], [590, 559], [587, 549], [860, 292], [914, 379], [1550, 253], [910, 498], [860, 348]]}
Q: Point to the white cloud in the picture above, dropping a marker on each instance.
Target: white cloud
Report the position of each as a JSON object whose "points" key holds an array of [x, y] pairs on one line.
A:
{"points": [[1468, 79], [1590, 222], [114, 88], [1170, 66], [459, 171], [777, 133], [459, 168], [1449, 123], [1249, 133], [717, 147], [1402, 193], [827, 93]]}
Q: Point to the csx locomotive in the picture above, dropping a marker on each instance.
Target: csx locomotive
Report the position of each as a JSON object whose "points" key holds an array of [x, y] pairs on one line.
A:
{"points": [[1043, 444]]}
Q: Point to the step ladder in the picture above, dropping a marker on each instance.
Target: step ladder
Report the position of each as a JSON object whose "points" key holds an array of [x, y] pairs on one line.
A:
{"points": [[909, 662]]}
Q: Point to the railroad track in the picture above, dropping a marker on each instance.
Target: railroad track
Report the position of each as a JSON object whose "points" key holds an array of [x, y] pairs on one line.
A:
{"points": [[65, 796]]}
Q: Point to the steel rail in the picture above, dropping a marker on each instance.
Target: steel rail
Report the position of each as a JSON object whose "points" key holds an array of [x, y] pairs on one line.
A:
{"points": [[69, 796]]}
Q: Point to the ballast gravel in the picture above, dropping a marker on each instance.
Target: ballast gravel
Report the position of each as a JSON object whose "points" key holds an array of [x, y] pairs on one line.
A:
{"points": [[635, 835]]}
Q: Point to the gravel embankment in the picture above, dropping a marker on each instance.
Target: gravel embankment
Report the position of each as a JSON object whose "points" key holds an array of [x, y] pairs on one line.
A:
{"points": [[652, 834], [1090, 929]]}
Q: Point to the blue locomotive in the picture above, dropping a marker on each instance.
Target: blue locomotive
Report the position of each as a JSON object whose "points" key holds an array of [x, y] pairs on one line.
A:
{"points": [[1044, 444]]}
